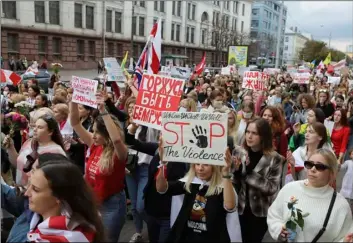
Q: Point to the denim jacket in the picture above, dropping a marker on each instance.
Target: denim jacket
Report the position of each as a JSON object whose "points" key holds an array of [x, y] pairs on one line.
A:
{"points": [[17, 206]]}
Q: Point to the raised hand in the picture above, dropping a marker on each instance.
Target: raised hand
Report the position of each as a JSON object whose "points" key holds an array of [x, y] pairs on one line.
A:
{"points": [[201, 137]]}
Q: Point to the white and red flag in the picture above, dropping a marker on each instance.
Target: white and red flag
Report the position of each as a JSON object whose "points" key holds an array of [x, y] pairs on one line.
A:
{"points": [[150, 58], [200, 67]]}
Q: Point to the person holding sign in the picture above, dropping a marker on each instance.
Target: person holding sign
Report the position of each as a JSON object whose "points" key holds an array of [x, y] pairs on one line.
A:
{"points": [[258, 179], [105, 166], [209, 197]]}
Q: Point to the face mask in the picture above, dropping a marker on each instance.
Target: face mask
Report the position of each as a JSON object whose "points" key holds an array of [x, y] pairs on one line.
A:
{"points": [[182, 109], [247, 115], [217, 104], [5, 93], [30, 132]]}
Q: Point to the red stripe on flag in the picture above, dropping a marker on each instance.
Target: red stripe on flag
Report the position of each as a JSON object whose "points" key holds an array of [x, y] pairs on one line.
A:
{"points": [[155, 61], [57, 222]]}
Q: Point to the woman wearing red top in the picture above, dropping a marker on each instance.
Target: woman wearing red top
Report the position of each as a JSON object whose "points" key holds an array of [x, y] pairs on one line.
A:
{"points": [[105, 166], [340, 133]]}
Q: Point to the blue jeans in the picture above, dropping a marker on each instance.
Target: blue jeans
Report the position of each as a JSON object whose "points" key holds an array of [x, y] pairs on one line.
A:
{"points": [[136, 183], [113, 211], [158, 229]]}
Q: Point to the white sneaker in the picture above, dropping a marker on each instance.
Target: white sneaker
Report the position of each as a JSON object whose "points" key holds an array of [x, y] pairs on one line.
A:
{"points": [[137, 237]]}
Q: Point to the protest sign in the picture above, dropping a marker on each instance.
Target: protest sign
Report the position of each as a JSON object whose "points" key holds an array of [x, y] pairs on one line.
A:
{"points": [[301, 78], [334, 80], [254, 80], [180, 72], [194, 137], [156, 94], [225, 70], [272, 70], [84, 91], [115, 73], [242, 70]]}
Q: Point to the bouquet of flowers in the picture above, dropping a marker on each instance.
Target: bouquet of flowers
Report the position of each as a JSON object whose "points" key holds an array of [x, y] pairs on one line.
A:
{"points": [[296, 219], [23, 108], [56, 67], [16, 122]]}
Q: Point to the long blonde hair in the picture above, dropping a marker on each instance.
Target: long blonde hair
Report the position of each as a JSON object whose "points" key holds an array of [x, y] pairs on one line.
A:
{"points": [[214, 187], [232, 130]]}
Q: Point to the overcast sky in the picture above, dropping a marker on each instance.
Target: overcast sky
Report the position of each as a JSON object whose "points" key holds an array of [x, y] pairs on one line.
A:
{"points": [[319, 18]]}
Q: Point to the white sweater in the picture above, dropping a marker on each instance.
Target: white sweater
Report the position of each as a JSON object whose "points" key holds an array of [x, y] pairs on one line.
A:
{"points": [[315, 201]]}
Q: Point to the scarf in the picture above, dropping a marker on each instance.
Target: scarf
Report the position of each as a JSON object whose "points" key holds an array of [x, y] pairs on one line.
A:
{"points": [[63, 228]]}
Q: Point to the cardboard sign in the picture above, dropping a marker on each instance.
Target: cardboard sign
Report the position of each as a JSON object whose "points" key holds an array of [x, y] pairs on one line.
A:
{"points": [[334, 80], [84, 91], [225, 70], [301, 78], [115, 73], [156, 94], [194, 137], [272, 70], [254, 80]]}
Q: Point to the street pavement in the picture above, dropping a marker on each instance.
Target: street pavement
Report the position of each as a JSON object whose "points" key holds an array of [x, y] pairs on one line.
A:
{"points": [[129, 229], [66, 74]]}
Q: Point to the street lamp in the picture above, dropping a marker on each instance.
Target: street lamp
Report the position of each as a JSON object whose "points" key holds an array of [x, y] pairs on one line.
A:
{"points": [[329, 38]]}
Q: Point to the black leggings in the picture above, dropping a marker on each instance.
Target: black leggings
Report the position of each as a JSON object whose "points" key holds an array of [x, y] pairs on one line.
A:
{"points": [[253, 229]]}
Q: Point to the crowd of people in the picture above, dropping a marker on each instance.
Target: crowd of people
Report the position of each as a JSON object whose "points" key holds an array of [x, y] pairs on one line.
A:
{"points": [[71, 172]]}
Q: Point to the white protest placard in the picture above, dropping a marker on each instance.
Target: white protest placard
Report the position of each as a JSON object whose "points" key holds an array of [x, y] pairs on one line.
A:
{"points": [[180, 72], [194, 137], [334, 80], [272, 70], [254, 80], [242, 70], [301, 78], [84, 91], [350, 82], [115, 73], [329, 126], [225, 70], [156, 94]]}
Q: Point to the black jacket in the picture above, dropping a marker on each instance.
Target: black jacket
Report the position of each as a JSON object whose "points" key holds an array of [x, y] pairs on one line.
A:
{"points": [[121, 115], [156, 204], [327, 109]]}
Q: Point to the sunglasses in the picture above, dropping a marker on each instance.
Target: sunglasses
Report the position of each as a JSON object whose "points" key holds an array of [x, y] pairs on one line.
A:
{"points": [[323, 90], [318, 166]]}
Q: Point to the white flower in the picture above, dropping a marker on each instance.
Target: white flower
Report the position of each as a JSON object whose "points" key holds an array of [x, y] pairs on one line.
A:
{"points": [[57, 64], [23, 104]]}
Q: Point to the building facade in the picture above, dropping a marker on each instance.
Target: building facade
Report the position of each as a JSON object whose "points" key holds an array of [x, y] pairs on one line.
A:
{"points": [[294, 42], [349, 51], [78, 34], [264, 29]]}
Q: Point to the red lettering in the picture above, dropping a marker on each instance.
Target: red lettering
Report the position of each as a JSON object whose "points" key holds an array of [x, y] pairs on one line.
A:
{"points": [[181, 124], [171, 131], [212, 135]]}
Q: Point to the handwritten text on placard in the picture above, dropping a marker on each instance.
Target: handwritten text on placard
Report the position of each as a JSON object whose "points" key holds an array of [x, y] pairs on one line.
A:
{"points": [[254, 80], [84, 91], [194, 137]]}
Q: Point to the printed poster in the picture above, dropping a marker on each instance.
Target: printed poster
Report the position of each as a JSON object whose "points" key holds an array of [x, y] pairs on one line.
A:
{"points": [[84, 91], [156, 94], [301, 78], [115, 73], [238, 55], [194, 137]]}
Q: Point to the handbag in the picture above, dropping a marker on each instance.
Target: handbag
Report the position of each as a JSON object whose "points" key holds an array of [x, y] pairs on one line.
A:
{"points": [[323, 229], [131, 163]]}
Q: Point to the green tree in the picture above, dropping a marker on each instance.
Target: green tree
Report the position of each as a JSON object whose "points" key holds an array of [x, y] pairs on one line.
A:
{"points": [[317, 50]]}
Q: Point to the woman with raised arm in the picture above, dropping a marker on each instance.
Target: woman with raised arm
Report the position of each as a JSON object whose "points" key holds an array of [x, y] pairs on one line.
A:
{"points": [[105, 165]]}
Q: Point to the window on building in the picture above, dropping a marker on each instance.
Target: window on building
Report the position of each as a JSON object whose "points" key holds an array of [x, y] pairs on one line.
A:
{"points": [[142, 4], [286, 48], [243, 10], [155, 6], [287, 38], [119, 50], [12, 43], [134, 22], [78, 15], [80, 47], [203, 36], [161, 6], [54, 12], [39, 11], [110, 49], [192, 38], [141, 26], [90, 17], [242, 27], [284, 12], [9, 9], [226, 5], [108, 20], [92, 50], [189, 10], [187, 34], [269, 15], [42, 45], [235, 24], [179, 9], [173, 8], [255, 11], [177, 35], [172, 32], [135, 51], [254, 23], [235, 7], [118, 22], [56, 46], [193, 12], [216, 3]]}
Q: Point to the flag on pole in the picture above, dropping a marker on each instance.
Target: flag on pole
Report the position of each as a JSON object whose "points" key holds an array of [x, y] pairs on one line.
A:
{"points": [[124, 61], [339, 65], [328, 59], [150, 57], [320, 66], [312, 64], [200, 67]]}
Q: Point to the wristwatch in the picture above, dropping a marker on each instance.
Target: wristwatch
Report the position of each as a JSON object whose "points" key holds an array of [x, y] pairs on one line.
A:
{"points": [[229, 176]]}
